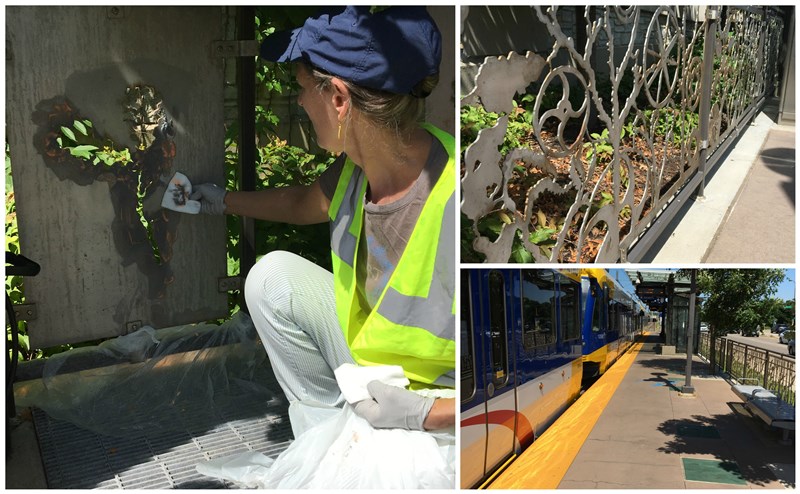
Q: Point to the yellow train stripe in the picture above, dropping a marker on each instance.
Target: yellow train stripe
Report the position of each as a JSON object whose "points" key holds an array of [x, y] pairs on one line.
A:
{"points": [[544, 464], [600, 356]]}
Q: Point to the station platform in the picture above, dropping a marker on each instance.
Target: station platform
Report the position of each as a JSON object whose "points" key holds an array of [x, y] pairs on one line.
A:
{"points": [[634, 429]]}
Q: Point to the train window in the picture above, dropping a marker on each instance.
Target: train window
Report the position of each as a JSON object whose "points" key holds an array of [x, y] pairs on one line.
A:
{"points": [[467, 350], [598, 310], [624, 320], [570, 309], [612, 316], [538, 309], [498, 328]]}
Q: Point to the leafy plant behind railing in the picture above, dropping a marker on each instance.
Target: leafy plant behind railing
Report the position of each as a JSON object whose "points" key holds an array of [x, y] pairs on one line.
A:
{"points": [[14, 283], [81, 142], [518, 134], [476, 118]]}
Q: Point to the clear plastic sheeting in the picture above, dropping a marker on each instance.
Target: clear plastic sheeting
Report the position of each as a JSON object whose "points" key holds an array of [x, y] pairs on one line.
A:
{"points": [[337, 449], [153, 381], [343, 451]]}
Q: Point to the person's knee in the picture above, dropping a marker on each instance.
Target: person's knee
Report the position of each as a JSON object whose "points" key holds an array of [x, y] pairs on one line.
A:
{"points": [[271, 271]]}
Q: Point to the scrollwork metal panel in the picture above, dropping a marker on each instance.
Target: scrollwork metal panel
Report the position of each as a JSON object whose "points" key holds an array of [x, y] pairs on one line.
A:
{"points": [[570, 155]]}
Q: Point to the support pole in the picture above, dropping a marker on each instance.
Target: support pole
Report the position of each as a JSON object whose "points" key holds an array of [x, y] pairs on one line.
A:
{"points": [[687, 387]]}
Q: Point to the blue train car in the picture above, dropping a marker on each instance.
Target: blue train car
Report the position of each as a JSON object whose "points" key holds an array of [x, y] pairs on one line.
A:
{"points": [[521, 361], [529, 337], [611, 320]]}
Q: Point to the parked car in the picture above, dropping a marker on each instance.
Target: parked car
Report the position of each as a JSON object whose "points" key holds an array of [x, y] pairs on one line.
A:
{"points": [[703, 327], [786, 336], [751, 332], [780, 328]]}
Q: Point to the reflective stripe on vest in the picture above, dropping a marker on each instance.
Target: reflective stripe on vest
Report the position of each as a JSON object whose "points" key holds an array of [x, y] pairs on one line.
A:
{"points": [[413, 322], [422, 312], [447, 379], [344, 230]]}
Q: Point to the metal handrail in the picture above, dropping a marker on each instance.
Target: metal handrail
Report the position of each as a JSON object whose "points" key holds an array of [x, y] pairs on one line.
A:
{"points": [[773, 371]]}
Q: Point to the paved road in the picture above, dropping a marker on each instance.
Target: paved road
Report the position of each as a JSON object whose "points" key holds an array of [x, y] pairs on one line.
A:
{"points": [[766, 341]]}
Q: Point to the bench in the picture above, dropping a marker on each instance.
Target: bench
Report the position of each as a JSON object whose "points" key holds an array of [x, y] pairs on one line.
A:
{"points": [[768, 406]]}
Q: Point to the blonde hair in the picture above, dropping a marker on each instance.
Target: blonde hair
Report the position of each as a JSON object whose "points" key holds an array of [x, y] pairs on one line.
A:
{"points": [[398, 113]]}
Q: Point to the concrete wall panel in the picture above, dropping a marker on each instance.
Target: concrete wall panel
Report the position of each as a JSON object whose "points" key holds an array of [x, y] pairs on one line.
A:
{"points": [[95, 280]]}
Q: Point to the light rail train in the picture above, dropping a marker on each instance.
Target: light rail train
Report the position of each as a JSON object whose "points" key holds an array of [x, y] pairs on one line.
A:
{"points": [[529, 339]]}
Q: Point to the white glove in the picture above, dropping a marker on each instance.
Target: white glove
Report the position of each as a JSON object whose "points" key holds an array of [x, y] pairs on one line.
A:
{"points": [[211, 197], [393, 407]]}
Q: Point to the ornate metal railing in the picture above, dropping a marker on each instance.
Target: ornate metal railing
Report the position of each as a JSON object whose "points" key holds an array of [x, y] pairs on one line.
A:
{"points": [[571, 155], [704, 345], [741, 361]]}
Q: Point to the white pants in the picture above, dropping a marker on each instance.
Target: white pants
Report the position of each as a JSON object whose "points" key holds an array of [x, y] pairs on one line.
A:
{"points": [[291, 301]]}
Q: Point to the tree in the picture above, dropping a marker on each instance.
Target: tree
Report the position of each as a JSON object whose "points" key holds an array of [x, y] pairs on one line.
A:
{"points": [[786, 312], [780, 311], [739, 299]]}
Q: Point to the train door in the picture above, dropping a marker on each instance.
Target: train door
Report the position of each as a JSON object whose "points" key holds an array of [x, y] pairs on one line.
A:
{"points": [[537, 355], [500, 398], [473, 398], [614, 330], [487, 398], [595, 325]]}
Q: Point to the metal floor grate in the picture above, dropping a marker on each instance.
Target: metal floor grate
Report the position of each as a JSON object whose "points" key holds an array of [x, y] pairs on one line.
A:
{"points": [[75, 458]]}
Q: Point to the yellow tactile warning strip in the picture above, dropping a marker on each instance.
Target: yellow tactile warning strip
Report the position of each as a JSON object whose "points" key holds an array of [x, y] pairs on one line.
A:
{"points": [[544, 464]]}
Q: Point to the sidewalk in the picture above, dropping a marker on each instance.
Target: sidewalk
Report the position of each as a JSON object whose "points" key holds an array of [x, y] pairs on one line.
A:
{"points": [[764, 209], [747, 212], [650, 436]]}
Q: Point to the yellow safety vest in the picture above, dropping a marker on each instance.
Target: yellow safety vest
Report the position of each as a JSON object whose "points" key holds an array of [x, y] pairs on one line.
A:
{"points": [[413, 322]]}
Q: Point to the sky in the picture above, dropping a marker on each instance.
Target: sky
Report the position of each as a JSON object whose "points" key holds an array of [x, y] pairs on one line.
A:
{"points": [[786, 290], [621, 276]]}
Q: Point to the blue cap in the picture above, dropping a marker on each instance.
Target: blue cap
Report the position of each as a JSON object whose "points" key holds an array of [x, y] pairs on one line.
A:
{"points": [[391, 50]]}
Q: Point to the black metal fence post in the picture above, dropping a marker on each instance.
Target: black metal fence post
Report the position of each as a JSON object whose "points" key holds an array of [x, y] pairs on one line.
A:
{"points": [[728, 356], [744, 363], [712, 350], [246, 72]]}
